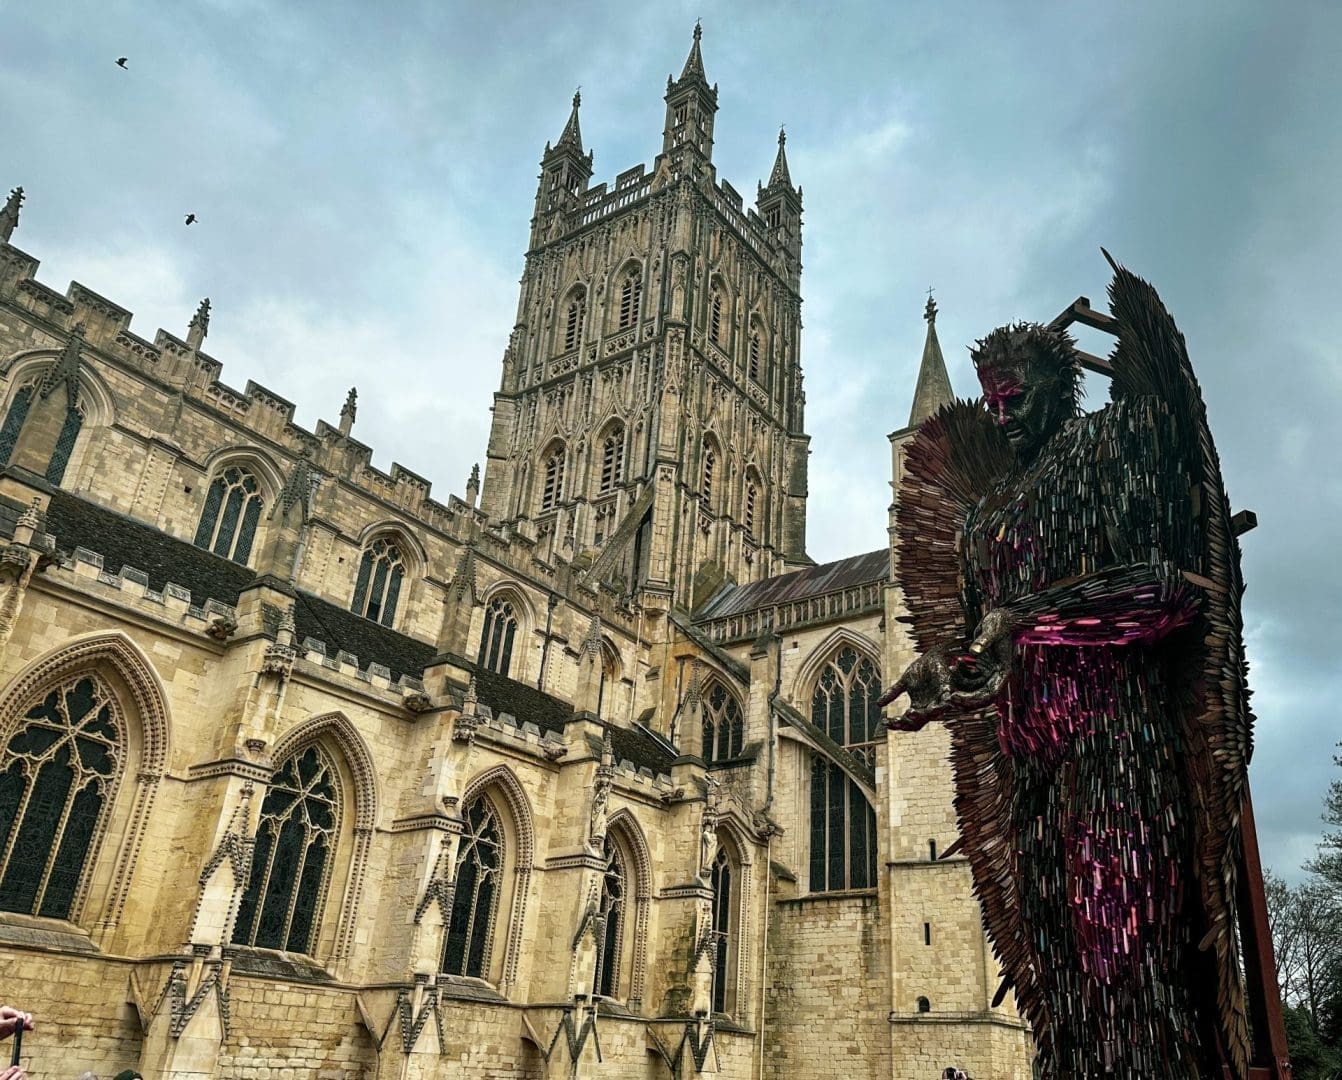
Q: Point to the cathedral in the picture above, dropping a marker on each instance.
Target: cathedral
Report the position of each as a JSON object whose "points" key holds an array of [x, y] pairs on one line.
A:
{"points": [[306, 773]]}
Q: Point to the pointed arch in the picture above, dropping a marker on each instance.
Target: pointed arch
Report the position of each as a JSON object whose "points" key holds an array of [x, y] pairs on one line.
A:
{"points": [[553, 469], [508, 614], [336, 732], [809, 670], [105, 878], [572, 319], [724, 722], [501, 782], [255, 460], [96, 408], [412, 548]]}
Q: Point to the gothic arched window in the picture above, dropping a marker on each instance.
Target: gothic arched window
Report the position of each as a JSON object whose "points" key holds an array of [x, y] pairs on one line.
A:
{"points": [[496, 643], [553, 491], [610, 671], [756, 354], [475, 897], [724, 726], [574, 318], [57, 775], [724, 930], [611, 912], [749, 506], [612, 460], [631, 292], [378, 586], [716, 325], [65, 444], [18, 413], [706, 470], [230, 515], [291, 856], [843, 823]]}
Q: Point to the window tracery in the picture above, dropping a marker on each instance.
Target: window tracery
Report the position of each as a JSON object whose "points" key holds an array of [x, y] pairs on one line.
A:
{"points": [[724, 726], [843, 823], [292, 855], [496, 642], [475, 897], [65, 444], [377, 590], [724, 944], [230, 516], [57, 776]]}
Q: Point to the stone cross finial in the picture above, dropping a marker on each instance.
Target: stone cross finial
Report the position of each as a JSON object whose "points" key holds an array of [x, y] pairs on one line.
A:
{"points": [[199, 325], [9, 215], [349, 410], [930, 312]]}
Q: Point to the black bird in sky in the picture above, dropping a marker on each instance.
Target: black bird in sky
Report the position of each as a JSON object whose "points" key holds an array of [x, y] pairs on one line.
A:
{"points": [[121, 61], [190, 219]]}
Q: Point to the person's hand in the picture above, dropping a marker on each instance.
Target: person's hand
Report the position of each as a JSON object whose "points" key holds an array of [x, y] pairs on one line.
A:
{"points": [[10, 1019], [13, 1072]]}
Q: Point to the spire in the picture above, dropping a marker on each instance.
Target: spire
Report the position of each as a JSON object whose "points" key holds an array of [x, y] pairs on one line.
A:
{"points": [[199, 326], [571, 136], [694, 63], [934, 384], [9, 214], [780, 175]]}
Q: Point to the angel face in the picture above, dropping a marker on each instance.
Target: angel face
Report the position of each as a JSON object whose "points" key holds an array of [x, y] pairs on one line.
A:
{"points": [[1025, 398]]}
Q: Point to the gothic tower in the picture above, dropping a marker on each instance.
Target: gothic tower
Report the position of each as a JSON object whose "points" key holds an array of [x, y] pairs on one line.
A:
{"points": [[649, 426]]}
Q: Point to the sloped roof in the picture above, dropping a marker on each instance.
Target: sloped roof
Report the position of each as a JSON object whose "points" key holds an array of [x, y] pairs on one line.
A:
{"points": [[798, 585]]}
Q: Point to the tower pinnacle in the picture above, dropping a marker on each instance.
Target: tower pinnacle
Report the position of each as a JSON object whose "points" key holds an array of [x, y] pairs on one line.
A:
{"points": [[571, 136], [694, 63], [780, 174], [9, 214], [933, 389]]}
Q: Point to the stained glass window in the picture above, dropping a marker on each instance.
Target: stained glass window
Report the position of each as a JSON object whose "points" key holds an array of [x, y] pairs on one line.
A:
{"points": [[56, 782], [65, 444], [573, 321], [631, 289], [18, 413], [291, 857], [722, 929], [229, 518], [553, 491], [612, 460], [724, 726], [475, 897], [496, 643], [606, 979], [378, 586], [843, 823]]}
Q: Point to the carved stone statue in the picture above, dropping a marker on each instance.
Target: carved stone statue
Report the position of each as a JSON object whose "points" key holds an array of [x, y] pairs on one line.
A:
{"points": [[1073, 585]]}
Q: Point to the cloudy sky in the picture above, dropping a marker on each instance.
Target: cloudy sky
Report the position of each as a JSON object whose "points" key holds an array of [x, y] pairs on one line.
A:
{"points": [[364, 173]]}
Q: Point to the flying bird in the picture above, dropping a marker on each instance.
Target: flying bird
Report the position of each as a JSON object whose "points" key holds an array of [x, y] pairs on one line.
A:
{"points": [[121, 61], [190, 219]]}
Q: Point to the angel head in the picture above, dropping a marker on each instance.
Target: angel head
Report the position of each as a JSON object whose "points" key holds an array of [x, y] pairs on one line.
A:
{"points": [[1031, 379]]}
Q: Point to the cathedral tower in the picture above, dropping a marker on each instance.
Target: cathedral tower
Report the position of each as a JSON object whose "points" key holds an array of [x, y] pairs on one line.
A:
{"points": [[649, 426]]}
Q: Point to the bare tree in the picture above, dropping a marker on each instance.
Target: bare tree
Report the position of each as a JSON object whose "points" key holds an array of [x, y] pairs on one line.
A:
{"points": [[1306, 924]]}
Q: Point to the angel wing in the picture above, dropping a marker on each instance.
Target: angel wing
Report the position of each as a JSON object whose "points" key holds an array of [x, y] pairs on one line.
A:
{"points": [[955, 458], [1151, 358]]}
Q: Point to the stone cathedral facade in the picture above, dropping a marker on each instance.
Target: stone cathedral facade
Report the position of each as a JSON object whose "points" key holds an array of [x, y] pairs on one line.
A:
{"points": [[304, 773]]}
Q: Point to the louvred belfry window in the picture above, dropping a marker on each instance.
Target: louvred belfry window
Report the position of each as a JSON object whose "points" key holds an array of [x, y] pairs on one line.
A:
{"points": [[752, 496], [843, 823], [710, 463], [715, 322], [606, 978], [229, 518], [612, 460], [57, 777], [496, 643], [378, 586], [573, 321], [553, 490], [292, 855], [724, 726], [475, 896], [631, 290], [755, 353]]}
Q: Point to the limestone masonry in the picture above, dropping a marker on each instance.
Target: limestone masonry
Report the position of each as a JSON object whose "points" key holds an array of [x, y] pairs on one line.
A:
{"points": [[304, 773]]}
